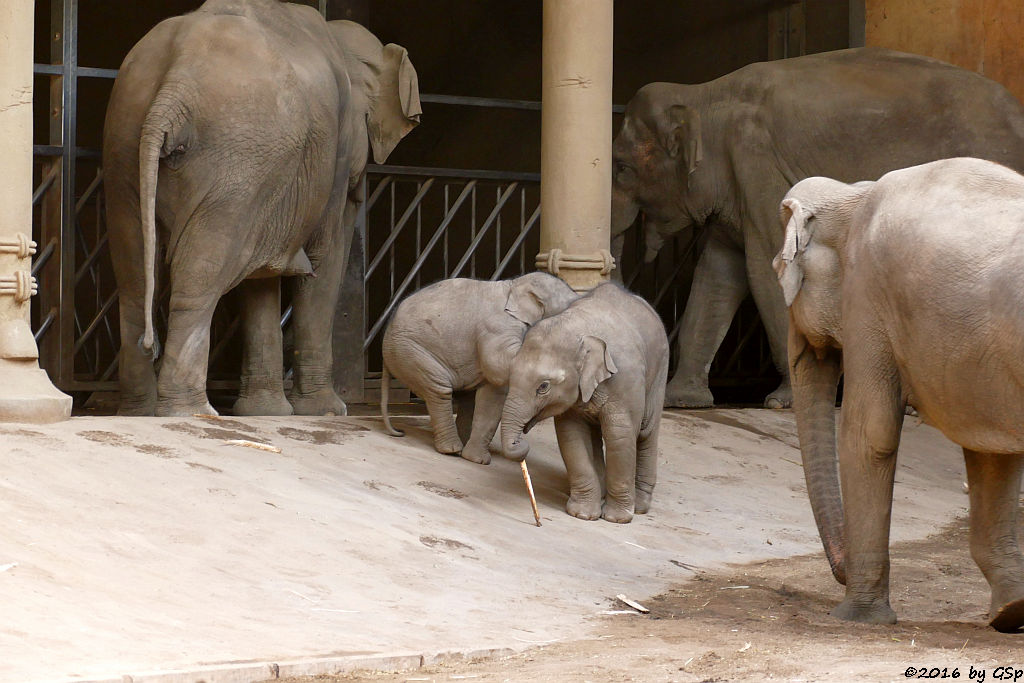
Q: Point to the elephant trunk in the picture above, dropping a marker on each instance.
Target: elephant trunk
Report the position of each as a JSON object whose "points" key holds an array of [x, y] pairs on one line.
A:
{"points": [[815, 380], [513, 424]]}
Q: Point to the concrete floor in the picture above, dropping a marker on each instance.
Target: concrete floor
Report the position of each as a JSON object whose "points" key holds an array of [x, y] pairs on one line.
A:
{"points": [[147, 546]]}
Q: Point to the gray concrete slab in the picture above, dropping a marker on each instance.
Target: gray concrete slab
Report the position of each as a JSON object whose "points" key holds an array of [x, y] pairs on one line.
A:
{"points": [[150, 545]]}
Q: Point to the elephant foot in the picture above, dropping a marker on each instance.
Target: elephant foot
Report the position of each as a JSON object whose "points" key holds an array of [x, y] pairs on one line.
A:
{"points": [[141, 407], [780, 398], [1009, 618], [616, 513], [872, 612], [476, 453], [643, 502], [583, 508], [688, 396], [321, 402], [449, 444], [262, 402], [166, 408]]}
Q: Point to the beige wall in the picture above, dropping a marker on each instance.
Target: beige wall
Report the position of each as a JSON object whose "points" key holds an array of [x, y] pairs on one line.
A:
{"points": [[984, 35]]}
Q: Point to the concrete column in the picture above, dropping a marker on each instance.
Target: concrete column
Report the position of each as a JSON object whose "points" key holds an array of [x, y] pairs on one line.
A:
{"points": [[576, 142], [26, 393]]}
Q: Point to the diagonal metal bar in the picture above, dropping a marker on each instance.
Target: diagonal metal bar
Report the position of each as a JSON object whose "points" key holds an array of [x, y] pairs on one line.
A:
{"points": [[90, 260], [434, 239], [94, 325], [45, 185], [523, 234], [498, 206], [93, 186], [44, 256], [681, 262], [409, 211], [379, 190]]}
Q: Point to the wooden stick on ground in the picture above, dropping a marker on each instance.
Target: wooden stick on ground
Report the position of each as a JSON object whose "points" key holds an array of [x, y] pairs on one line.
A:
{"points": [[529, 489]]}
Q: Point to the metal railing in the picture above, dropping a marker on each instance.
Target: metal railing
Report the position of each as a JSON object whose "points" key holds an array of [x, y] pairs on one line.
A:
{"points": [[417, 225]]}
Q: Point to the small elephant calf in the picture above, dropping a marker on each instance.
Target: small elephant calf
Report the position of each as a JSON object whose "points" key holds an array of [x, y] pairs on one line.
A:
{"points": [[462, 334], [599, 369]]}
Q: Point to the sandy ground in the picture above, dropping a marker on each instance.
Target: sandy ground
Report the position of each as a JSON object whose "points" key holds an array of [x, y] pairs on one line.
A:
{"points": [[768, 621], [144, 547]]}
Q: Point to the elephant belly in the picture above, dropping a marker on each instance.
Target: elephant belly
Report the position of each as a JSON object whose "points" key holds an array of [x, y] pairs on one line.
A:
{"points": [[972, 406]]}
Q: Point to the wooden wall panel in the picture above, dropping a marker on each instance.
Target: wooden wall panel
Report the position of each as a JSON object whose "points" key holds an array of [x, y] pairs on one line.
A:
{"points": [[986, 36]]}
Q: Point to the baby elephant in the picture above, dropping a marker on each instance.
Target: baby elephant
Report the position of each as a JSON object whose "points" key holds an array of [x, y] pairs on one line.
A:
{"points": [[599, 369], [462, 334]]}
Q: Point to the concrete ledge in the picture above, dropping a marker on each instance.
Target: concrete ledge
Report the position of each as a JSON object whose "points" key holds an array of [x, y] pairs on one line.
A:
{"points": [[250, 672]]}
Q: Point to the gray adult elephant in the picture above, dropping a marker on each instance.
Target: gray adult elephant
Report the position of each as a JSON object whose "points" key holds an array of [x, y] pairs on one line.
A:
{"points": [[724, 153], [234, 138], [910, 286]]}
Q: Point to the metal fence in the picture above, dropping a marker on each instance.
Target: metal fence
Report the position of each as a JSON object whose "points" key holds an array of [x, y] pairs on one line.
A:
{"points": [[417, 225]]}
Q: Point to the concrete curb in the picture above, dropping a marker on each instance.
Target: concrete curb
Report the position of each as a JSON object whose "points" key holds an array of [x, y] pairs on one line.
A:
{"points": [[249, 672]]}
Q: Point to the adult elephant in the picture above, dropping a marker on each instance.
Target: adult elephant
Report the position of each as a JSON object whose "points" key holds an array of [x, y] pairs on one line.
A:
{"points": [[724, 153], [234, 138], [910, 287]]}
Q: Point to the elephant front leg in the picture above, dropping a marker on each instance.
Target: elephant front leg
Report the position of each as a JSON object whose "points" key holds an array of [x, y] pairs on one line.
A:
{"points": [[719, 287], [314, 305], [486, 416], [262, 386], [586, 489], [872, 416], [994, 488], [620, 434]]}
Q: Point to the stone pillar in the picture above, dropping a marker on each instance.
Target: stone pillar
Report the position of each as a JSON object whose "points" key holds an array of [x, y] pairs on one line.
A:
{"points": [[26, 393], [576, 142]]}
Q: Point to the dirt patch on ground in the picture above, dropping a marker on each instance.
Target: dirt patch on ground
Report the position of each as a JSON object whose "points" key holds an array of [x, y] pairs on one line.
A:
{"points": [[154, 449], [109, 438], [770, 621], [208, 432], [317, 437], [440, 490]]}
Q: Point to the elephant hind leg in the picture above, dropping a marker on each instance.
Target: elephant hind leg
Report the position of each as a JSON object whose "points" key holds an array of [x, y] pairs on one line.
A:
{"points": [[994, 487], [181, 386], [261, 391], [135, 367]]}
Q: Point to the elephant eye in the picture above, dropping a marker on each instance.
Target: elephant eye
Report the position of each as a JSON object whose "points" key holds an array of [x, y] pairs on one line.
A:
{"points": [[544, 387], [623, 172]]}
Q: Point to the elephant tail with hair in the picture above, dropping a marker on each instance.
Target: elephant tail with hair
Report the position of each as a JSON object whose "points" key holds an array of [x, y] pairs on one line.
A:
{"points": [[151, 143], [385, 387]]}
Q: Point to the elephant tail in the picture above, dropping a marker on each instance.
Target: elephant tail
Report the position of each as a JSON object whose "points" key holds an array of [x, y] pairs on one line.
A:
{"points": [[385, 386], [150, 145]]}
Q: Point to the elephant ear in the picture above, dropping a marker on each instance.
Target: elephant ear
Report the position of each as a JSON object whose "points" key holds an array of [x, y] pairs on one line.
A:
{"points": [[683, 138], [794, 244], [395, 110], [524, 303], [595, 365]]}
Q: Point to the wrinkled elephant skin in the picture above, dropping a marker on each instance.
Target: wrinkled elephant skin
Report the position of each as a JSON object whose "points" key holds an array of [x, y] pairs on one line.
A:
{"points": [[722, 154], [599, 369], [461, 334], [911, 285], [233, 139]]}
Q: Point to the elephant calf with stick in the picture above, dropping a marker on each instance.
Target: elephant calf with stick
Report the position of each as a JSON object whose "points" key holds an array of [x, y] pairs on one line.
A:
{"points": [[599, 369], [462, 334], [235, 138], [913, 288]]}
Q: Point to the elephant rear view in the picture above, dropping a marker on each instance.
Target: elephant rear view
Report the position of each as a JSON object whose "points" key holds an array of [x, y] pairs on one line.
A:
{"points": [[233, 137]]}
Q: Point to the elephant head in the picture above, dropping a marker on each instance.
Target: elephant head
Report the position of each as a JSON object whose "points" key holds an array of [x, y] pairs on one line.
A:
{"points": [[553, 371], [384, 83], [817, 214], [655, 155], [535, 296]]}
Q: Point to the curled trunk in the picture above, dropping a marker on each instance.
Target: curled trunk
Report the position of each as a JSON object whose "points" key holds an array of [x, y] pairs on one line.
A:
{"points": [[513, 421], [815, 382]]}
